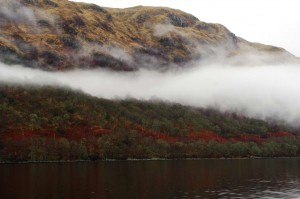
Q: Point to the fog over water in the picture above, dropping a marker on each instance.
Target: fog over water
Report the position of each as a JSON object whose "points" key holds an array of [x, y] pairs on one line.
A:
{"points": [[257, 91]]}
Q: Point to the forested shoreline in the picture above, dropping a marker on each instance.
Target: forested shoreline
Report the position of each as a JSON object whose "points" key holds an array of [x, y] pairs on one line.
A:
{"points": [[52, 124]]}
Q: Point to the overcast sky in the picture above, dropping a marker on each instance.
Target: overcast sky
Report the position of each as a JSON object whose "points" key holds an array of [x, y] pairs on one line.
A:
{"points": [[275, 22]]}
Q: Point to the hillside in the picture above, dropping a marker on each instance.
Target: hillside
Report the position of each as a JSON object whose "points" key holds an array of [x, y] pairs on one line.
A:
{"points": [[45, 123], [40, 123], [63, 35]]}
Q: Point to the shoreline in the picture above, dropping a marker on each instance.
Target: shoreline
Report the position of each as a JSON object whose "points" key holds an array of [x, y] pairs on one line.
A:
{"points": [[142, 160]]}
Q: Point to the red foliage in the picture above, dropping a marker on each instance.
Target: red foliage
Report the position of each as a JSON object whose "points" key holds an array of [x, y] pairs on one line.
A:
{"points": [[206, 136], [155, 135], [248, 138], [17, 135], [81, 132], [78, 133], [281, 134]]}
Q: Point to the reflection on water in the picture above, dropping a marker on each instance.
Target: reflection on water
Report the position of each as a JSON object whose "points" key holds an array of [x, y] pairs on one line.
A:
{"points": [[257, 178]]}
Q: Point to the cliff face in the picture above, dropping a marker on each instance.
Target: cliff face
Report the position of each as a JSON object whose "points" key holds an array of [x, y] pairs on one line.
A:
{"points": [[62, 35]]}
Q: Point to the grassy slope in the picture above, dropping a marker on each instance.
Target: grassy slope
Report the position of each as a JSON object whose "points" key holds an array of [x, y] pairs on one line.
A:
{"points": [[70, 35], [52, 124]]}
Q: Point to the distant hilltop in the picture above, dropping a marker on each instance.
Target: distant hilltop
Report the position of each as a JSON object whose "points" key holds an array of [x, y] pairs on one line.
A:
{"points": [[62, 35]]}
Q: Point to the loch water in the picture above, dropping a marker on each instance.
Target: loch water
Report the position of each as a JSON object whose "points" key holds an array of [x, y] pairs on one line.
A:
{"points": [[160, 179]]}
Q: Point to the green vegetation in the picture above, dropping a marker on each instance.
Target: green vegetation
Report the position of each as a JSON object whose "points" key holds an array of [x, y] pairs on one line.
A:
{"points": [[45, 123]]}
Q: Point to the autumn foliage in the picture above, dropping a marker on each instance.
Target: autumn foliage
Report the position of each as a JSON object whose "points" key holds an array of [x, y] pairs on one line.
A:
{"points": [[44, 123]]}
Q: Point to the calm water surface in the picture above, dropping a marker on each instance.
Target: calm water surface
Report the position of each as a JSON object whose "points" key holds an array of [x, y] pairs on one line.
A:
{"points": [[258, 178]]}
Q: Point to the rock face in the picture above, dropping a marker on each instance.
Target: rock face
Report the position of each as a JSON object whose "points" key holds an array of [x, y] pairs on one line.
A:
{"points": [[62, 35]]}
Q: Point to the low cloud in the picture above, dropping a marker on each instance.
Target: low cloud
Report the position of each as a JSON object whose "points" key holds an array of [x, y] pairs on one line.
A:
{"points": [[87, 49], [16, 12], [265, 92], [161, 30]]}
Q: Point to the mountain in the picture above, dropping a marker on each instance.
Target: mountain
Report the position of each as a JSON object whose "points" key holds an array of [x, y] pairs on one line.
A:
{"points": [[62, 35]]}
